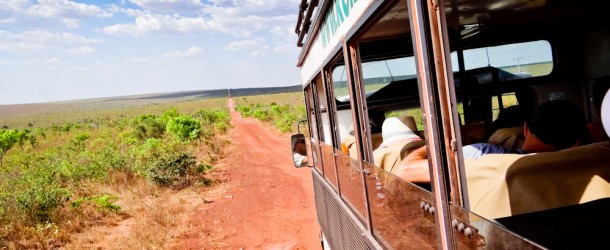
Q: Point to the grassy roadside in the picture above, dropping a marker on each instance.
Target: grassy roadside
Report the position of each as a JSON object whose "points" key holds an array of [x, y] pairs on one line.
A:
{"points": [[284, 111], [67, 173]]}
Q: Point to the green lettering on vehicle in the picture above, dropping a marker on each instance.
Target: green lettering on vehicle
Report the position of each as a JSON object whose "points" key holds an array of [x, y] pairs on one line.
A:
{"points": [[337, 13], [346, 6]]}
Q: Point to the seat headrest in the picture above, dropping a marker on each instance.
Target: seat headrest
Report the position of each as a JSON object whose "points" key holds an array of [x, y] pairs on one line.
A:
{"points": [[606, 113]]}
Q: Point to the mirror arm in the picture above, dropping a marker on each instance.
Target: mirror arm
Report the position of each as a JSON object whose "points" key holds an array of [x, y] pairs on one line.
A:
{"points": [[299, 126]]}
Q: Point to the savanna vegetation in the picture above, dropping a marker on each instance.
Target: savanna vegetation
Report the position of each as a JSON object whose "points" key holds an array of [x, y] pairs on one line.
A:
{"points": [[62, 173], [284, 111]]}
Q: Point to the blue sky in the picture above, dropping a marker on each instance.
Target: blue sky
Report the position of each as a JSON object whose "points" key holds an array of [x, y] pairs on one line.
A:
{"points": [[52, 50]]}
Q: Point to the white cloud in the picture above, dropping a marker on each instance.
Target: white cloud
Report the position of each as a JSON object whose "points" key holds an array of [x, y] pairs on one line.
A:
{"points": [[191, 51], [14, 5], [258, 43], [50, 61], [36, 40], [241, 18], [71, 22], [169, 5], [284, 43], [6, 62], [149, 23], [65, 8], [81, 50], [8, 20], [29, 13], [142, 61]]}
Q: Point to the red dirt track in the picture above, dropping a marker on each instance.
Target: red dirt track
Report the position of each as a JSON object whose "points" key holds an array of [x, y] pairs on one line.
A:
{"points": [[264, 201]]}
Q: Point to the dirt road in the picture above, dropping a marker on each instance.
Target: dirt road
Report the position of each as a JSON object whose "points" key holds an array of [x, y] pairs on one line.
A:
{"points": [[264, 202]]}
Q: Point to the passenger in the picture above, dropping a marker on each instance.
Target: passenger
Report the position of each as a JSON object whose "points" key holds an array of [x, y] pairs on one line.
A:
{"points": [[376, 119], [299, 154], [478, 120], [348, 144], [596, 129], [398, 133], [508, 128], [528, 101], [556, 125]]}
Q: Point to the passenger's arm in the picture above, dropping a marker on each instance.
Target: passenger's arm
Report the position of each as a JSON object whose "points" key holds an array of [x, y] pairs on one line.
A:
{"points": [[414, 168]]}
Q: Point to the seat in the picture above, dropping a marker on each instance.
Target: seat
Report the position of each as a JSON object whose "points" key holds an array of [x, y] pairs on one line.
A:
{"points": [[501, 185]]}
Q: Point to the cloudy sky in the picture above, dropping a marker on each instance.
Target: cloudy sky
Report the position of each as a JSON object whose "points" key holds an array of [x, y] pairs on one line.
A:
{"points": [[53, 50]]}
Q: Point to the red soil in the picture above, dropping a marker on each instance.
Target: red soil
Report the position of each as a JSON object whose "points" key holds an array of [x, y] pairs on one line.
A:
{"points": [[264, 202]]}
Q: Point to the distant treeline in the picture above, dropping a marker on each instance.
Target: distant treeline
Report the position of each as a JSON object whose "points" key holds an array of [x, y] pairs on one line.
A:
{"points": [[204, 94], [265, 91]]}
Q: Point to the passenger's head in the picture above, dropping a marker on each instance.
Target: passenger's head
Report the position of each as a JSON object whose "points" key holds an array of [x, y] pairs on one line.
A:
{"points": [[605, 109], [512, 116], [557, 124], [600, 87], [398, 128], [300, 147], [376, 119], [528, 100]]}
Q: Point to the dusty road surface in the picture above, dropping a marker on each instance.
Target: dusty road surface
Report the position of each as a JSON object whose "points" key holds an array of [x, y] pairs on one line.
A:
{"points": [[264, 202]]}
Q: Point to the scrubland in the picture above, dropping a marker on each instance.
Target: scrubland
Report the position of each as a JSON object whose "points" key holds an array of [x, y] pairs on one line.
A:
{"points": [[282, 110], [62, 173]]}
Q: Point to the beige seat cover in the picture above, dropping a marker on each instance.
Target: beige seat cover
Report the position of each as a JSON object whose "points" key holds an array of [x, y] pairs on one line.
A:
{"points": [[504, 185], [508, 137], [389, 157]]}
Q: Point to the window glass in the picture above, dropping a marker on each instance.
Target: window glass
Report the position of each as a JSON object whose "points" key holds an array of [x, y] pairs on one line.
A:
{"points": [[377, 74], [506, 62], [349, 169], [498, 103], [340, 84], [391, 131]]}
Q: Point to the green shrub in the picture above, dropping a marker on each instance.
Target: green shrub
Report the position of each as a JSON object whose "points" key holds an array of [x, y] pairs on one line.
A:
{"points": [[243, 110], [110, 157], [184, 127], [148, 126], [104, 202], [40, 196], [78, 142], [203, 168], [170, 170], [213, 116], [169, 114], [285, 123], [284, 117], [262, 115], [8, 138]]}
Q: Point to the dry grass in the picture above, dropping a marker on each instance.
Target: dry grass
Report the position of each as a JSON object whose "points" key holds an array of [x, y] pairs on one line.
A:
{"points": [[156, 217], [294, 99], [150, 217], [44, 115]]}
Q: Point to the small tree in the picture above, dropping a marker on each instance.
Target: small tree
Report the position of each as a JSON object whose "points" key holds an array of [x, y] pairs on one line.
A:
{"points": [[148, 126], [8, 138], [184, 127]]}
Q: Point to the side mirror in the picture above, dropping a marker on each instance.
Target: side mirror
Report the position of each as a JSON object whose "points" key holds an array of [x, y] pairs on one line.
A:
{"points": [[299, 150]]}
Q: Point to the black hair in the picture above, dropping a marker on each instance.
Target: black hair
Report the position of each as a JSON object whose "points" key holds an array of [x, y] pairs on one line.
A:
{"points": [[560, 123], [600, 87], [512, 116]]}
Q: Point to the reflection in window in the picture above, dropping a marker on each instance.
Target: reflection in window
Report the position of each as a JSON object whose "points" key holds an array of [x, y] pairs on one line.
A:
{"points": [[340, 84], [377, 74], [511, 61]]}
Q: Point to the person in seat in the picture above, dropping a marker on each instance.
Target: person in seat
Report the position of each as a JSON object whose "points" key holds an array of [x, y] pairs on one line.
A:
{"points": [[596, 129], [555, 125], [398, 133]]}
